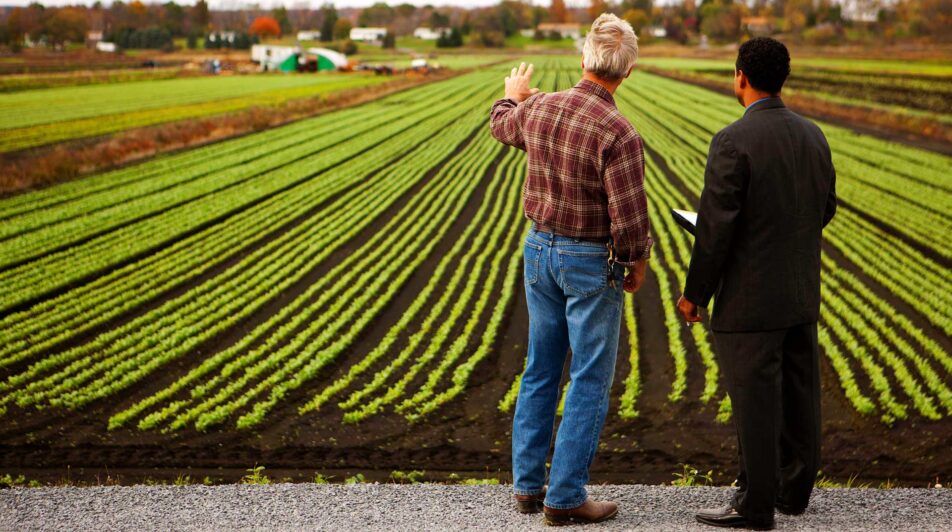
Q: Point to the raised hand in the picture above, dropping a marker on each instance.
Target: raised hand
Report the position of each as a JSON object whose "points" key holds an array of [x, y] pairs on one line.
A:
{"points": [[517, 84]]}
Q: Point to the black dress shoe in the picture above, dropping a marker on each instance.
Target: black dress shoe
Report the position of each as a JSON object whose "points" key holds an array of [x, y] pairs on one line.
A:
{"points": [[787, 509], [728, 517]]}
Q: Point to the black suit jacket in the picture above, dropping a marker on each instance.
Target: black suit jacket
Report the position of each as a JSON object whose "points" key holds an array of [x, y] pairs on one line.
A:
{"points": [[769, 189]]}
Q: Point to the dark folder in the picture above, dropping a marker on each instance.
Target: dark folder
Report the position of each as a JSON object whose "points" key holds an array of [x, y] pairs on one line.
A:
{"points": [[685, 219]]}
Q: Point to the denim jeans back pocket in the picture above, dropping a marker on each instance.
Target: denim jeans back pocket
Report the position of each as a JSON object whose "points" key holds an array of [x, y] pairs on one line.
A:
{"points": [[532, 254], [584, 273]]}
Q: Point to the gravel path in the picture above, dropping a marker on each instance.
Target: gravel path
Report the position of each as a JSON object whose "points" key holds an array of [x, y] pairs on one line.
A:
{"points": [[392, 507]]}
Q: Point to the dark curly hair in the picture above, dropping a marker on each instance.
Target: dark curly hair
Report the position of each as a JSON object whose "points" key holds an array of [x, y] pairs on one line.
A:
{"points": [[766, 62]]}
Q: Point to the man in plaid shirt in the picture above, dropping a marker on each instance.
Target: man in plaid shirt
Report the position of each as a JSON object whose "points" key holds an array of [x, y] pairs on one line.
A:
{"points": [[585, 194]]}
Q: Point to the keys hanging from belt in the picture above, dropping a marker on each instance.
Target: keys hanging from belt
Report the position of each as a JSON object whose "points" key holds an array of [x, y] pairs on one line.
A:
{"points": [[611, 264]]}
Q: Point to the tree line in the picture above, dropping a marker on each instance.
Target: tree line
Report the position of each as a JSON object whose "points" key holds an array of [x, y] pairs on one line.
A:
{"points": [[140, 25]]}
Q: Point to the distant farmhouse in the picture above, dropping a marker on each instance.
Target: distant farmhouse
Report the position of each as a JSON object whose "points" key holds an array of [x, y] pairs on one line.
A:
{"points": [[367, 34], [309, 35], [428, 34], [658, 32], [223, 36], [565, 30]]}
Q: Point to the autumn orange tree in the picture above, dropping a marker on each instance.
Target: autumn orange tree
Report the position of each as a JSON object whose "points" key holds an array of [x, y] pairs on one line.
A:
{"points": [[265, 27], [557, 11]]}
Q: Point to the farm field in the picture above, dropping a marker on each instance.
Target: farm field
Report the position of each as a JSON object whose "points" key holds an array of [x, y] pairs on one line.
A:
{"points": [[905, 99], [21, 82], [45, 116], [345, 293]]}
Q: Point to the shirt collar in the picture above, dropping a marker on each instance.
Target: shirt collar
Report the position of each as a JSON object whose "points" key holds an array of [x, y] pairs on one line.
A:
{"points": [[765, 98], [590, 86]]}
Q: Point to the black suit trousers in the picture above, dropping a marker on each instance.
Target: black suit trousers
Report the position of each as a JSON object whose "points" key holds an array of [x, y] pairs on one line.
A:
{"points": [[773, 379]]}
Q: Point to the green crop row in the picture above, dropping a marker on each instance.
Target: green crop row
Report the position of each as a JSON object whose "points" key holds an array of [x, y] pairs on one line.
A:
{"points": [[679, 128], [81, 363]]}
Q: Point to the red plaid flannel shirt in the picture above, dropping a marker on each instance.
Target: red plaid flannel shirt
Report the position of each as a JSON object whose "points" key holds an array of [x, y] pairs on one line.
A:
{"points": [[586, 165]]}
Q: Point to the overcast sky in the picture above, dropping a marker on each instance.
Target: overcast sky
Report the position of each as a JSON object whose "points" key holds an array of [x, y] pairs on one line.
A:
{"points": [[217, 4]]}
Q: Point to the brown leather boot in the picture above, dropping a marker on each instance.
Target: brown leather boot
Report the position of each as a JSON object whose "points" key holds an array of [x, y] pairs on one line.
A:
{"points": [[530, 504], [589, 512]]}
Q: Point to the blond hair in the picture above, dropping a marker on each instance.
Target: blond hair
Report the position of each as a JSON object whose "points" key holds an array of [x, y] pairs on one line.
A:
{"points": [[611, 48]]}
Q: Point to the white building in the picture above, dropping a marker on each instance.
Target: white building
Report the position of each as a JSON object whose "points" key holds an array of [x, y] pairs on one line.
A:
{"points": [[861, 10], [428, 34], [270, 56], [222, 36], [573, 31], [108, 47], [309, 35], [367, 34]]}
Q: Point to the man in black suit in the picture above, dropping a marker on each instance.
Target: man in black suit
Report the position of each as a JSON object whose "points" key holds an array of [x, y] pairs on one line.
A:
{"points": [[768, 193]]}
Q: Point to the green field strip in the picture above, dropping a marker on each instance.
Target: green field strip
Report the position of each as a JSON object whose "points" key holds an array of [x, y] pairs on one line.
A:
{"points": [[119, 204], [445, 278], [899, 322], [24, 334], [463, 372], [162, 318], [44, 234], [880, 336], [30, 108], [497, 252], [692, 169], [909, 383], [55, 237], [323, 339], [290, 318], [632, 384], [201, 160], [59, 131], [44, 275], [917, 224]]}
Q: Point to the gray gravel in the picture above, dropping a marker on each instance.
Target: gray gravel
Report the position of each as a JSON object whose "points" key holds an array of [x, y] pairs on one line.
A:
{"points": [[394, 507]]}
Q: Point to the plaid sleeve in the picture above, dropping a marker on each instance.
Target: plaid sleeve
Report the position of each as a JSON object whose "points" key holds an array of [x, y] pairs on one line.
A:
{"points": [[623, 177], [505, 120]]}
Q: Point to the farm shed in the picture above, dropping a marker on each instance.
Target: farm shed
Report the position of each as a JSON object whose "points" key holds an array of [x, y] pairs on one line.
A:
{"points": [[328, 59], [367, 34]]}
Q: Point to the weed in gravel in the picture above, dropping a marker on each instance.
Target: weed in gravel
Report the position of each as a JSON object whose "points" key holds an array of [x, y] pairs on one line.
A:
{"points": [[691, 477], [356, 479], [255, 476], [404, 477]]}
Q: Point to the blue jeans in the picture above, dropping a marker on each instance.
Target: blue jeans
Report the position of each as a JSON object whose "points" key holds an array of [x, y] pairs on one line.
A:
{"points": [[571, 304]]}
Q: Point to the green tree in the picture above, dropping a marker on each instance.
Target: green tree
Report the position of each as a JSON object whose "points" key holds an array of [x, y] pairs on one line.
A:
{"points": [[720, 19], [66, 24], [405, 10], [638, 19], [379, 14], [328, 22], [439, 20], [199, 16], [341, 29], [281, 15], [451, 39], [173, 18], [389, 40]]}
